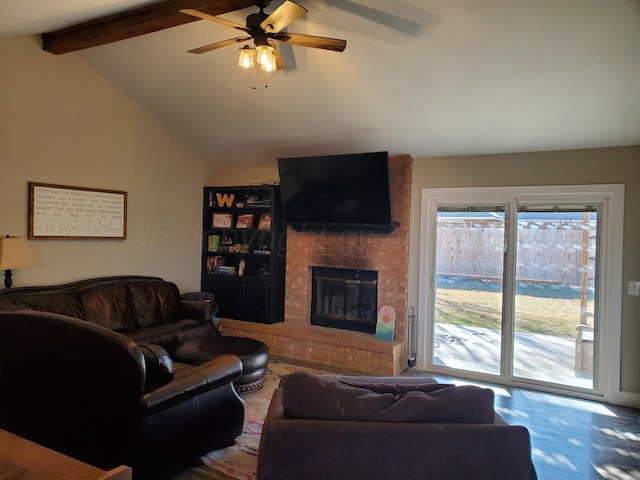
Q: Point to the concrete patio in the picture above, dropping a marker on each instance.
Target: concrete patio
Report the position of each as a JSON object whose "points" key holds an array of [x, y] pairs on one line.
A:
{"points": [[541, 357]]}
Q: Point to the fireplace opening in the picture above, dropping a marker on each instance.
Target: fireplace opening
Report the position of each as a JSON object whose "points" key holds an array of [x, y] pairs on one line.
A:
{"points": [[344, 298]]}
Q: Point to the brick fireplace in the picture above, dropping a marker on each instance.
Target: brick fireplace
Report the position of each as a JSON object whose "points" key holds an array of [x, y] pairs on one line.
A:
{"points": [[387, 254]]}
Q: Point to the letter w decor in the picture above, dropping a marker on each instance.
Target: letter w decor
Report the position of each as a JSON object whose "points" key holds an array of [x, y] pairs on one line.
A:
{"points": [[225, 200]]}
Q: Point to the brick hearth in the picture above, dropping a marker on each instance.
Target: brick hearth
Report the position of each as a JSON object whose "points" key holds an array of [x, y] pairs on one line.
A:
{"points": [[296, 338]]}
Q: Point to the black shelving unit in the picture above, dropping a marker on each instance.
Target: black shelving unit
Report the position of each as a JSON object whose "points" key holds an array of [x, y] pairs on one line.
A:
{"points": [[243, 255]]}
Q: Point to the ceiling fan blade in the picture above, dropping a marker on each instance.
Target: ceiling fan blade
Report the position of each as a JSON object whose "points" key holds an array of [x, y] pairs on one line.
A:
{"points": [[282, 16], [280, 63], [212, 18], [312, 41], [215, 46]]}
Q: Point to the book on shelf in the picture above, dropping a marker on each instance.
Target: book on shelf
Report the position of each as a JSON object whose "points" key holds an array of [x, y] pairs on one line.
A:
{"points": [[227, 270], [214, 264]]}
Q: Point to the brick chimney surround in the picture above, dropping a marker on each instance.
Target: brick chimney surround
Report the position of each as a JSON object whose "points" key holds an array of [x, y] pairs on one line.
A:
{"points": [[356, 352]]}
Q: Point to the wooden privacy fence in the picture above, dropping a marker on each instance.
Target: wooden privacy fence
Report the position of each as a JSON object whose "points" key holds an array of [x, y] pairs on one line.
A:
{"points": [[559, 254]]}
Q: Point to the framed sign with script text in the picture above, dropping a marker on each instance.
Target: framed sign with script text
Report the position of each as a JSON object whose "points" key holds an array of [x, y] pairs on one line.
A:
{"points": [[59, 211]]}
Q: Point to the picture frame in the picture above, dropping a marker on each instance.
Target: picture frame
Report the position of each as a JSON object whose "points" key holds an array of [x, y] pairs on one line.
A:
{"points": [[245, 221], [66, 212], [385, 323], [222, 220], [265, 221]]}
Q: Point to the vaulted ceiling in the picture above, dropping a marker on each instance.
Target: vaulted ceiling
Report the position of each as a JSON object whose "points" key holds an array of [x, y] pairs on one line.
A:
{"points": [[424, 77]]}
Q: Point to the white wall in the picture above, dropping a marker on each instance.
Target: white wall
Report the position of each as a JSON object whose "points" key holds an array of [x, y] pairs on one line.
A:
{"points": [[62, 123]]}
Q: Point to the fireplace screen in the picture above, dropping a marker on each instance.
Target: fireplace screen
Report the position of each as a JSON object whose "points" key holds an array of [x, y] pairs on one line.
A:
{"points": [[344, 298]]}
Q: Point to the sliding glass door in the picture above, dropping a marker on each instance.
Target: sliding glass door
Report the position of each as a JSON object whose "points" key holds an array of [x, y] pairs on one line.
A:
{"points": [[469, 287], [555, 296], [512, 288]]}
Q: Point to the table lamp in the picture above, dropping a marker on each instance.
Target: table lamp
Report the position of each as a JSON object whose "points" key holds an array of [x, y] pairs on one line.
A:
{"points": [[14, 253]]}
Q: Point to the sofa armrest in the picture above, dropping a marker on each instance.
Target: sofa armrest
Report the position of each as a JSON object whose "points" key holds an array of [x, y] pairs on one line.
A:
{"points": [[196, 309], [213, 374], [207, 297], [200, 309]]}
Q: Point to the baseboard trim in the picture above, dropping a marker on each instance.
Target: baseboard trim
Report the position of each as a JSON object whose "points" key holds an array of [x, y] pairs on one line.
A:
{"points": [[630, 399]]}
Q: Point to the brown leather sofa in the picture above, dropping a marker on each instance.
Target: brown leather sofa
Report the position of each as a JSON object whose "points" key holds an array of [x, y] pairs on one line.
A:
{"points": [[146, 309], [408, 428], [84, 370]]}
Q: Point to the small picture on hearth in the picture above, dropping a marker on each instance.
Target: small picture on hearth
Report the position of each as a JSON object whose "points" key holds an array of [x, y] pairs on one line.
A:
{"points": [[265, 221], [245, 221], [222, 220], [386, 323]]}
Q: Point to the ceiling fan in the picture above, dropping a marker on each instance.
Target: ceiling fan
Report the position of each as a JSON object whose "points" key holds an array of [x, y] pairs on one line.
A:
{"points": [[265, 30]]}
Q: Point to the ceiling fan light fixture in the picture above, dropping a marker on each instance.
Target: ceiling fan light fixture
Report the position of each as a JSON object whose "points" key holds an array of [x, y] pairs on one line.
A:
{"points": [[245, 56], [266, 58], [265, 30]]}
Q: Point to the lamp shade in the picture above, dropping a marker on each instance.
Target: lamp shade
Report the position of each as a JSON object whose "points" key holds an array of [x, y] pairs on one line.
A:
{"points": [[14, 253]]}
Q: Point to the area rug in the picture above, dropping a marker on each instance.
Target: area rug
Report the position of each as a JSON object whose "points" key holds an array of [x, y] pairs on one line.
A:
{"points": [[240, 460]]}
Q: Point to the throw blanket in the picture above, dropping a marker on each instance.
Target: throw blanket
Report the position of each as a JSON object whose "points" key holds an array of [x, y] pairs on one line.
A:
{"points": [[308, 396]]}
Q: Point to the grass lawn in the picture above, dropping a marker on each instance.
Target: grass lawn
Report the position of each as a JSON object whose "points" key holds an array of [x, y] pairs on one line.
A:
{"points": [[545, 314]]}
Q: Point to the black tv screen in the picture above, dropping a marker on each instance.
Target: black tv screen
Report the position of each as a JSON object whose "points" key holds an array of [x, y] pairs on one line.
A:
{"points": [[337, 192]]}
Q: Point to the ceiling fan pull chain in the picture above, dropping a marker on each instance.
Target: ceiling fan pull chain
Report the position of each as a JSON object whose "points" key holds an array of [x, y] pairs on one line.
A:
{"points": [[253, 87]]}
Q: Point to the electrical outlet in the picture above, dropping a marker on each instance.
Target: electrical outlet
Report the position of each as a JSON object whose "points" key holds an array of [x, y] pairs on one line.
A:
{"points": [[634, 288]]}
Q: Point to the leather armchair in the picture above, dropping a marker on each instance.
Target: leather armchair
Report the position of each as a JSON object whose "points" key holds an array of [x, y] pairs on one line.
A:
{"points": [[84, 390]]}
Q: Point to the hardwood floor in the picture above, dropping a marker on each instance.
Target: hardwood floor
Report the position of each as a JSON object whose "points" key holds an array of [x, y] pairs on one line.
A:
{"points": [[572, 438]]}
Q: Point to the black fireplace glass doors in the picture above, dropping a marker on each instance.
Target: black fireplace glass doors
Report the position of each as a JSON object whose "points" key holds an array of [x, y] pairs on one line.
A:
{"points": [[344, 298]]}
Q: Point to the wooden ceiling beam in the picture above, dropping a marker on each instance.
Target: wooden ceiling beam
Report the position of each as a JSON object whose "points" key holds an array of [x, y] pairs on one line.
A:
{"points": [[132, 23]]}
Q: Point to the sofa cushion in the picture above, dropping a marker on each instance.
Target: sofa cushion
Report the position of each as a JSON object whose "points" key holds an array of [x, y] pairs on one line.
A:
{"points": [[155, 301], [308, 396], [64, 303], [109, 306], [457, 404], [158, 363]]}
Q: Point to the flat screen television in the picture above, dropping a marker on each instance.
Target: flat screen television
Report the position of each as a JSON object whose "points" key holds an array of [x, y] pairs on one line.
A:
{"points": [[338, 193]]}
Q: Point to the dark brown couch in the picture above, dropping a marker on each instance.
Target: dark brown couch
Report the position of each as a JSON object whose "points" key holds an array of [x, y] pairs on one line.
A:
{"points": [[81, 371], [372, 428], [146, 309]]}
